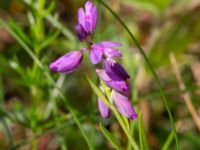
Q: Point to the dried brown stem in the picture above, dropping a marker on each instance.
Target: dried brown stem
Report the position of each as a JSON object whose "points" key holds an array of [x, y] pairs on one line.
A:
{"points": [[185, 95]]}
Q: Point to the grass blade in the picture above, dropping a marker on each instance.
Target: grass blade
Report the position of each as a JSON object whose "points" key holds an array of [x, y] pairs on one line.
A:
{"points": [[168, 141], [142, 135], [110, 138]]}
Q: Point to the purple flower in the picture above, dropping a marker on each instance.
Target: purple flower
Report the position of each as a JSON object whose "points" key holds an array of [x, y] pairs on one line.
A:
{"points": [[104, 110], [115, 70], [123, 105], [104, 48], [68, 62], [121, 86], [87, 20]]}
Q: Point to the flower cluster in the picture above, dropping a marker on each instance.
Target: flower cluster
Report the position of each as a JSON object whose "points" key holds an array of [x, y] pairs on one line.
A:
{"points": [[111, 73]]}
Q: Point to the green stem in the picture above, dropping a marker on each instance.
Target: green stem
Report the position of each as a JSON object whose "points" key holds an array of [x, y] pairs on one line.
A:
{"points": [[150, 66], [126, 131]]}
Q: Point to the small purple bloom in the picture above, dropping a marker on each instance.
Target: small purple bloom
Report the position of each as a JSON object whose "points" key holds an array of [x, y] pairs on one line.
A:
{"points": [[87, 20], [96, 54], [115, 70], [104, 48], [124, 105], [121, 86], [104, 110], [68, 62]]}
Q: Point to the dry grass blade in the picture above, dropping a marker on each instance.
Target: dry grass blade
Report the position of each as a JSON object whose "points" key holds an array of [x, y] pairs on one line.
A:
{"points": [[185, 95]]}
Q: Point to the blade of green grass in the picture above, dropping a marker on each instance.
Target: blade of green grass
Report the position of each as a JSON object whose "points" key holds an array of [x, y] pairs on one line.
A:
{"points": [[149, 65], [142, 135], [110, 138], [168, 141]]}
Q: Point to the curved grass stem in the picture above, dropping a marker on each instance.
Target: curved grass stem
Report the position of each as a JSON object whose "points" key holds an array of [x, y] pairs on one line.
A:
{"points": [[149, 65]]}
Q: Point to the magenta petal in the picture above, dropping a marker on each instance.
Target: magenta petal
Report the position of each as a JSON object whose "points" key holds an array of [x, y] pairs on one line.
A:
{"points": [[88, 7], [103, 75], [115, 70], [81, 17], [104, 110], [109, 44], [124, 105], [68, 62], [94, 18], [121, 86], [96, 55], [109, 52], [81, 33]]}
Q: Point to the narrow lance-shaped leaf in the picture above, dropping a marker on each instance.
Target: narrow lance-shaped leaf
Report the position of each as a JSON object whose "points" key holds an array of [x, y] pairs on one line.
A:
{"points": [[110, 138], [142, 135], [98, 92]]}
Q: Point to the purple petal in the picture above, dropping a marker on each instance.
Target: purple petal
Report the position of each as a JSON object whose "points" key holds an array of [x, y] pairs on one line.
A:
{"points": [[115, 70], [90, 17], [109, 44], [103, 75], [121, 86], [104, 110], [68, 62], [94, 18], [123, 105], [88, 7], [109, 52], [81, 33], [96, 55], [81, 17]]}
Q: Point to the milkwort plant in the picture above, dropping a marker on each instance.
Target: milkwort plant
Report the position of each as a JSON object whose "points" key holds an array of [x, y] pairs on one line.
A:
{"points": [[113, 92], [113, 89], [111, 72]]}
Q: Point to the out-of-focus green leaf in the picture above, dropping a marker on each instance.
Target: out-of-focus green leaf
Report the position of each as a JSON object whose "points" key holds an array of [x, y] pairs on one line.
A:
{"points": [[111, 138], [1, 92], [19, 31], [168, 141], [176, 37], [153, 6]]}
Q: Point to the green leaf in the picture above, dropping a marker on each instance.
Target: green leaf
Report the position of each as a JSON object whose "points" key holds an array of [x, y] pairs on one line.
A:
{"points": [[19, 31], [1, 92], [142, 135], [110, 138], [168, 141], [98, 92]]}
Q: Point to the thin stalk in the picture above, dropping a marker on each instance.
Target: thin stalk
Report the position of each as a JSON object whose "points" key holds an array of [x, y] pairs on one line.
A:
{"points": [[150, 66], [46, 73], [126, 131], [185, 95]]}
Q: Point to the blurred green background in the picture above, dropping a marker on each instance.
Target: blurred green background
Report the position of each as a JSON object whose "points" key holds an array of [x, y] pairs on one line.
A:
{"points": [[30, 105]]}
